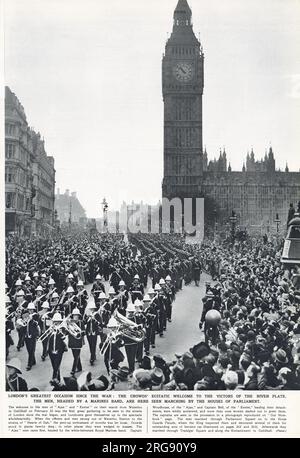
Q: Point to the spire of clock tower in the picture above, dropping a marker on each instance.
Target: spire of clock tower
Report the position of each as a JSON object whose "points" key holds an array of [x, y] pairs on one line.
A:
{"points": [[182, 16], [182, 25], [183, 12]]}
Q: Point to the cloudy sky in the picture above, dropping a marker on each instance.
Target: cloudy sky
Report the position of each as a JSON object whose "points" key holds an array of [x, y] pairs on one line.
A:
{"points": [[89, 76]]}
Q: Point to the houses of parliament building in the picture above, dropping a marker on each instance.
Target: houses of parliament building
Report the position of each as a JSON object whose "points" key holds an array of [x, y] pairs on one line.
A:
{"points": [[259, 192]]}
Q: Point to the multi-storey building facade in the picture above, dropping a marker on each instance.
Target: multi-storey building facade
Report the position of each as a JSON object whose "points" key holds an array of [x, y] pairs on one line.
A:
{"points": [[259, 192], [44, 184], [24, 163]]}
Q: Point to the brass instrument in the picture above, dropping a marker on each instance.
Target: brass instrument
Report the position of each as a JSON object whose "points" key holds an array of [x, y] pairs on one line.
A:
{"points": [[70, 300], [50, 293], [150, 317], [62, 297], [68, 303], [71, 327], [21, 321], [87, 312], [126, 328], [66, 324], [46, 319], [129, 328], [47, 333], [9, 384], [38, 298], [10, 315], [112, 338], [79, 294]]}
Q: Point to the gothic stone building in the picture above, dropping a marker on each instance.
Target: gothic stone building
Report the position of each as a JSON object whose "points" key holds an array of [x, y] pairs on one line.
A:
{"points": [[69, 209], [259, 191]]}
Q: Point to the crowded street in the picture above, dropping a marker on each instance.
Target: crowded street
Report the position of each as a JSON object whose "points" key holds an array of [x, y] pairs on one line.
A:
{"points": [[109, 312], [187, 305]]}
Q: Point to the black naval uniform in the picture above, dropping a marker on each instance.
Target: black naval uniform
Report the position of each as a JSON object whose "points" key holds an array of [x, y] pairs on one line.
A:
{"points": [[75, 343], [162, 314], [136, 291], [93, 327], [150, 316], [16, 383], [43, 319], [31, 334], [57, 347], [9, 326]]}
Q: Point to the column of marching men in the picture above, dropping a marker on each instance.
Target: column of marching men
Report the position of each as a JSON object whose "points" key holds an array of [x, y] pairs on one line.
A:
{"points": [[62, 315]]}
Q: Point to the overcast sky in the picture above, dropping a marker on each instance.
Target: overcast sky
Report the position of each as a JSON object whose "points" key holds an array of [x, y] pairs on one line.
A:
{"points": [[88, 74]]}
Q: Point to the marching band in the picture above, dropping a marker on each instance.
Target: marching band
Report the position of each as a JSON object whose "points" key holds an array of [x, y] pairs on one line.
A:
{"points": [[126, 317]]}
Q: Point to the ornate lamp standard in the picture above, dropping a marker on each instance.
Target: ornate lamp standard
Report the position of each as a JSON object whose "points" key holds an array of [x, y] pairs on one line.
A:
{"points": [[233, 220], [105, 210], [215, 213], [277, 221], [70, 215]]}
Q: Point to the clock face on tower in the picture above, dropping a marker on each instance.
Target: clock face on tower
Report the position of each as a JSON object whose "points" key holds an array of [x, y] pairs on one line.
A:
{"points": [[183, 72]]}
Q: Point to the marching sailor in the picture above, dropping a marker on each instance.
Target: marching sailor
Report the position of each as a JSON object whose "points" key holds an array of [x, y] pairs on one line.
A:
{"points": [[97, 288], [70, 301], [82, 296], [20, 323], [44, 324], [150, 316], [14, 381], [136, 289], [57, 346], [130, 345], [76, 340], [122, 298], [32, 332], [93, 328]]}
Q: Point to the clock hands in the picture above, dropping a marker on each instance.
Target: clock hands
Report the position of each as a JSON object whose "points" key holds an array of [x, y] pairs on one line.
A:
{"points": [[183, 72]]}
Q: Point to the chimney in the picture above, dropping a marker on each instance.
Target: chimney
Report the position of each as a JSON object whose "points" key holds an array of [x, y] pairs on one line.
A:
{"points": [[67, 193], [73, 194]]}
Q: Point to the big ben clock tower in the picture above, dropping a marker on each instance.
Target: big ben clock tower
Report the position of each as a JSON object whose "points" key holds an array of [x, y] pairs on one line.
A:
{"points": [[182, 83]]}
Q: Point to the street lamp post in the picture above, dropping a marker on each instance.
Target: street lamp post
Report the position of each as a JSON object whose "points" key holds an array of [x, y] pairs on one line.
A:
{"points": [[215, 222], [105, 210], [70, 215], [233, 220], [277, 221]]}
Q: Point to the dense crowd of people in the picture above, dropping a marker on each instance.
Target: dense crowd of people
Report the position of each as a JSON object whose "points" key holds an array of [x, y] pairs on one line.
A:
{"points": [[249, 336], [47, 301]]}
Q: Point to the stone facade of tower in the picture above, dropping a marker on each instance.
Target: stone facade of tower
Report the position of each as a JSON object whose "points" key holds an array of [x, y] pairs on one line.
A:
{"points": [[182, 80]]}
